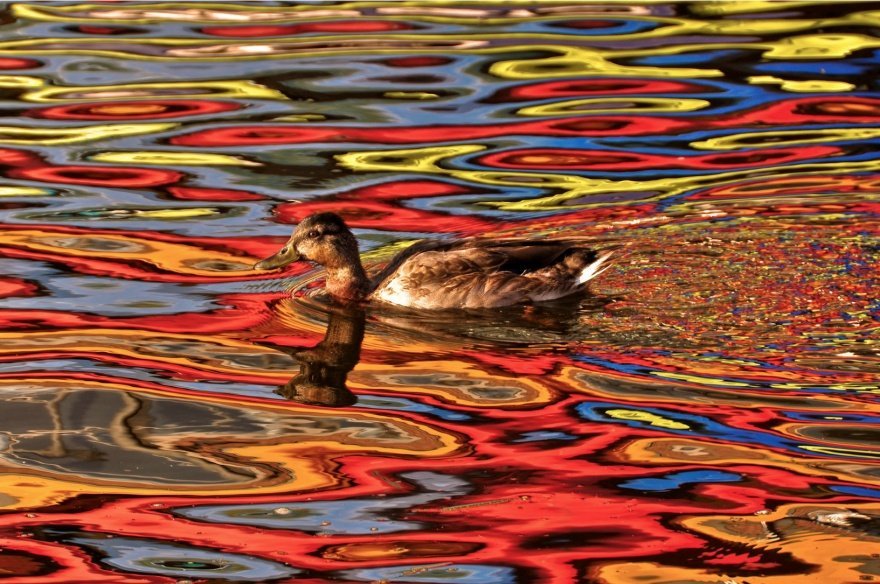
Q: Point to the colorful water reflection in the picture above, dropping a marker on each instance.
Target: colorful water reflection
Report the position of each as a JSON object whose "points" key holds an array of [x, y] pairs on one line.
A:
{"points": [[708, 414]]}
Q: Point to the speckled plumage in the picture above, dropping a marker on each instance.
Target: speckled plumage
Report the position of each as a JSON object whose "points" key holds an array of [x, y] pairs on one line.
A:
{"points": [[472, 273]]}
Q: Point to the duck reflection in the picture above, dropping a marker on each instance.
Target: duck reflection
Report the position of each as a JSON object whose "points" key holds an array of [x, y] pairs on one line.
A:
{"points": [[324, 368]]}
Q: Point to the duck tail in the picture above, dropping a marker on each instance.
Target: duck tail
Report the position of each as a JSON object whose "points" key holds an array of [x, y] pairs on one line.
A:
{"points": [[592, 270]]}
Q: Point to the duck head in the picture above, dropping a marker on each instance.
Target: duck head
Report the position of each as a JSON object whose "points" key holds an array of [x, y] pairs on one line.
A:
{"points": [[323, 238]]}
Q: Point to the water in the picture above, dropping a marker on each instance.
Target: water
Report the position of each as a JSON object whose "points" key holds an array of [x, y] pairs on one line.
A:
{"points": [[707, 414]]}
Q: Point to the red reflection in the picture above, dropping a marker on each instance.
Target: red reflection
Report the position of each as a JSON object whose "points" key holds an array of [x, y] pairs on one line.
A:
{"points": [[370, 207], [407, 189], [207, 194], [12, 157], [385, 216], [287, 134], [247, 247], [133, 110], [10, 287], [561, 159], [14, 63], [604, 87], [109, 176], [423, 61], [786, 112], [808, 110], [105, 30]]}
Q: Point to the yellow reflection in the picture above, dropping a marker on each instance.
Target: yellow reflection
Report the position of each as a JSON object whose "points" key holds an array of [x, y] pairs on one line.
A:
{"points": [[408, 160], [777, 138], [837, 451], [806, 46], [429, 159], [182, 89], [299, 118], [657, 189], [614, 105], [716, 8], [387, 251], [853, 386], [173, 158], [20, 81], [646, 417], [207, 12], [55, 136], [580, 61], [452, 381], [635, 390], [14, 191], [213, 354], [188, 213], [569, 61], [825, 46], [572, 187], [700, 379], [810, 86], [422, 95]]}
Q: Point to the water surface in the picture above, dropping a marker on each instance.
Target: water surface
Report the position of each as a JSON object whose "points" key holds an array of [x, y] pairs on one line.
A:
{"points": [[707, 413]]}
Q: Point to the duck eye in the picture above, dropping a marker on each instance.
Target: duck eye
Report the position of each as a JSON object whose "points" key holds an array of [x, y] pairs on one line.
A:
{"points": [[314, 233]]}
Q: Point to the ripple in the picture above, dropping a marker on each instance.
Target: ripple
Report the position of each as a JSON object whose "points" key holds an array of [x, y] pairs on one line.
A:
{"points": [[710, 399], [142, 556]]}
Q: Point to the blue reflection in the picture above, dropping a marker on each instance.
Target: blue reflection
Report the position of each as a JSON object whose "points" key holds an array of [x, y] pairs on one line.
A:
{"points": [[677, 480], [358, 516], [458, 573]]}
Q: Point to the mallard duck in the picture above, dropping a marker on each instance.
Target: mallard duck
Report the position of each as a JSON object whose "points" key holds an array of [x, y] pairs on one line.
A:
{"points": [[469, 273]]}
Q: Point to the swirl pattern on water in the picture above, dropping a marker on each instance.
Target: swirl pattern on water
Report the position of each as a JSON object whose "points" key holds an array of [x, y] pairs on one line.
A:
{"points": [[708, 414]]}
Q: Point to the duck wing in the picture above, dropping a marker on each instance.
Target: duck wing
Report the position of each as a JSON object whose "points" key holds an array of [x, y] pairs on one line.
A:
{"points": [[405, 255], [481, 273], [515, 255], [519, 256]]}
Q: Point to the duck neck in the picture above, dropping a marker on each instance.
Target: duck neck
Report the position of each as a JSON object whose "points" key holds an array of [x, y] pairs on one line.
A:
{"points": [[347, 280]]}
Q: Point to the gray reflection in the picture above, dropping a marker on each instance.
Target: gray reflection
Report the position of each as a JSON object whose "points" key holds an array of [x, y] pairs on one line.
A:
{"points": [[147, 556], [354, 516], [126, 436], [110, 435]]}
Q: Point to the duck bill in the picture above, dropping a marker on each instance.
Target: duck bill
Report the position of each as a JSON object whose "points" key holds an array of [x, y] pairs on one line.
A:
{"points": [[287, 255]]}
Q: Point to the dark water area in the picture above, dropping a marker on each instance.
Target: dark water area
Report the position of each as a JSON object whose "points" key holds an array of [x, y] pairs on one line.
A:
{"points": [[707, 412]]}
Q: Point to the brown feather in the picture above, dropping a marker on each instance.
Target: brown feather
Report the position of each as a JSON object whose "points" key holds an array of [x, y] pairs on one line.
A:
{"points": [[479, 274]]}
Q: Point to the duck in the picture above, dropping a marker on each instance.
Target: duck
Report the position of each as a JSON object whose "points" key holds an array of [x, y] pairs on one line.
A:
{"points": [[471, 273]]}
